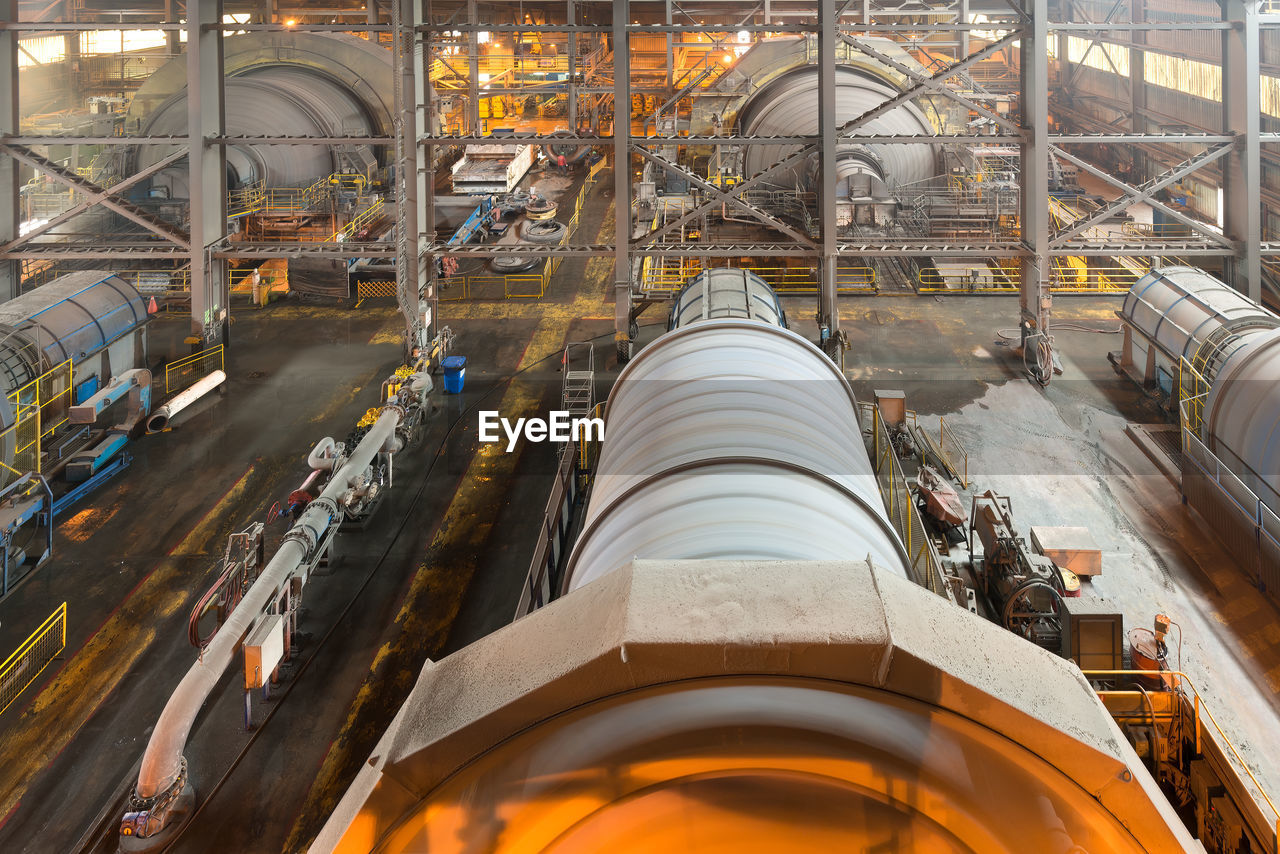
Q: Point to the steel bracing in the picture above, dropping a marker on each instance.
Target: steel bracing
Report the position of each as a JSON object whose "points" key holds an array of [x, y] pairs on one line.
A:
{"points": [[611, 58]]}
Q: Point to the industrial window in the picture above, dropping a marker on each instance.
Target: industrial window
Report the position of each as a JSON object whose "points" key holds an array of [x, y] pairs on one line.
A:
{"points": [[1079, 52], [1269, 95], [1200, 79], [41, 49], [119, 41]]}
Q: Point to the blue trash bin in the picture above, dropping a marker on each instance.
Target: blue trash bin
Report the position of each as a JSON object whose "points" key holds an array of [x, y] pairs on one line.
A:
{"points": [[455, 373]]}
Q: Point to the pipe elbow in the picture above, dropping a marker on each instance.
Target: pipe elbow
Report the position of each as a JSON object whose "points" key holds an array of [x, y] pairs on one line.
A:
{"points": [[323, 455]]}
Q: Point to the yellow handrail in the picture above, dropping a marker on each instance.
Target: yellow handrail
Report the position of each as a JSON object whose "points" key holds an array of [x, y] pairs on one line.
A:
{"points": [[10, 672]]}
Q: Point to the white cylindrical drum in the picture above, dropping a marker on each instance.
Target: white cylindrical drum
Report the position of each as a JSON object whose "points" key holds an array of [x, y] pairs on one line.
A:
{"points": [[1242, 414], [726, 292], [732, 439], [1178, 308]]}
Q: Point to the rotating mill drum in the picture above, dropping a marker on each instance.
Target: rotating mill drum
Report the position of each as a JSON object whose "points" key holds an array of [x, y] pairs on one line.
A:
{"points": [[92, 317], [789, 106], [291, 84], [731, 437], [1178, 313]]}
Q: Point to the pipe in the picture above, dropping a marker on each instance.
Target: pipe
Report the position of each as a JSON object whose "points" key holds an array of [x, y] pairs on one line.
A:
{"points": [[323, 455], [162, 762], [180, 401]]}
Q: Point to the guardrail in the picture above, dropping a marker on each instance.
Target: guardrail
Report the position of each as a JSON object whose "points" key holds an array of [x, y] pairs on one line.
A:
{"points": [[516, 285], [1244, 520], [30, 659], [900, 505], [40, 407], [661, 276], [183, 372], [956, 457], [981, 279]]}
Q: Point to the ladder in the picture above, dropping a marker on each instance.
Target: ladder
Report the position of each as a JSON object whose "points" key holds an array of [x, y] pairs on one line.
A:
{"points": [[578, 392]]}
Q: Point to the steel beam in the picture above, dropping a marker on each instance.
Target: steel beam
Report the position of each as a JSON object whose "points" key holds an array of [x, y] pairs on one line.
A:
{"points": [[1198, 227], [1033, 291], [622, 179], [717, 196], [1242, 170], [1140, 194], [207, 183], [94, 199], [10, 214], [828, 310]]}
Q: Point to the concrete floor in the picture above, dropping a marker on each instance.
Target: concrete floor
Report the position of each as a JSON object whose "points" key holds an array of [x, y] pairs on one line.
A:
{"points": [[444, 560]]}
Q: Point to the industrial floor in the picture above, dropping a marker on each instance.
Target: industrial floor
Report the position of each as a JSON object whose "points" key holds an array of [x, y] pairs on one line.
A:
{"points": [[443, 562]]}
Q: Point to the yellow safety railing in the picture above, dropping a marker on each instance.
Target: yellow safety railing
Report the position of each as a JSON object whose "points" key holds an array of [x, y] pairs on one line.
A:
{"points": [[901, 506], [366, 217], [669, 275], [40, 407], [1068, 275], [258, 198], [1181, 684], [183, 372], [30, 659], [956, 457], [371, 289]]}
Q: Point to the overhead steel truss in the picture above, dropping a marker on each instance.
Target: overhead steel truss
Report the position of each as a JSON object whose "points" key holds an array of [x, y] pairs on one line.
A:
{"points": [[416, 28]]}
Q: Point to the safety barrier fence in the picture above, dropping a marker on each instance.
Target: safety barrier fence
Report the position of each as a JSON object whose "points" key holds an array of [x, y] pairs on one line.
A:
{"points": [[1246, 521], [572, 480], [531, 285], [30, 659], [40, 407], [1191, 712], [183, 372], [660, 276], [899, 502], [257, 198], [981, 279], [953, 451]]}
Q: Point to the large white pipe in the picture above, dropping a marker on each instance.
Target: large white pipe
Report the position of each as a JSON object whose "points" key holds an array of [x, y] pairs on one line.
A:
{"points": [[180, 401], [162, 762], [732, 439]]}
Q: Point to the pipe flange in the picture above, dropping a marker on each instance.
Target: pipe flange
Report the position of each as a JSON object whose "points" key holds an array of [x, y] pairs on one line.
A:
{"points": [[394, 407]]}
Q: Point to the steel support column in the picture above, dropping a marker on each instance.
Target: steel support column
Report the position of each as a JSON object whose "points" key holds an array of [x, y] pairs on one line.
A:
{"points": [[622, 179], [10, 215], [208, 172], [424, 97], [828, 311], [571, 49], [1242, 169], [1033, 289], [403, 94], [473, 71]]}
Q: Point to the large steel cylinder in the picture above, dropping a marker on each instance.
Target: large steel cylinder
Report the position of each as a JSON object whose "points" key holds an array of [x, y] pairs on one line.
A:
{"points": [[1242, 414], [299, 85], [726, 292], [76, 317], [732, 439], [1235, 345], [788, 106], [1179, 308]]}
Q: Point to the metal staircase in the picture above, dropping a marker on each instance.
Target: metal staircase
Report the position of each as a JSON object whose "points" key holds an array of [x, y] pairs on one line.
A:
{"points": [[578, 391]]}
